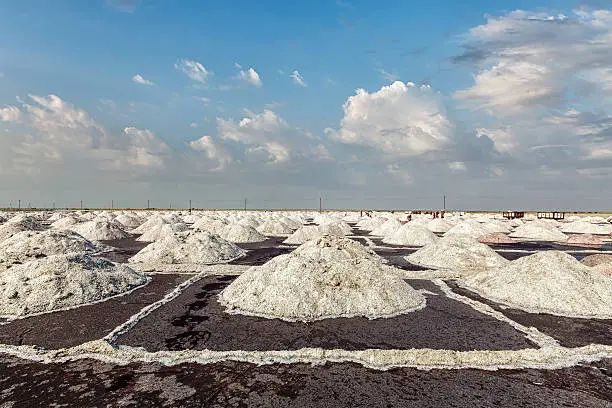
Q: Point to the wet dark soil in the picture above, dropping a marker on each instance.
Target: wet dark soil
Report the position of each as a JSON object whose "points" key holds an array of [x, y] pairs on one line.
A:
{"points": [[124, 248]]}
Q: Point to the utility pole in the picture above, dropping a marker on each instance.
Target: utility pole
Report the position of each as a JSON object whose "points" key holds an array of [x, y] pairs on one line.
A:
{"points": [[112, 204], [444, 208], [81, 204], [245, 204], [320, 205], [54, 205], [19, 205], [189, 206], [148, 205]]}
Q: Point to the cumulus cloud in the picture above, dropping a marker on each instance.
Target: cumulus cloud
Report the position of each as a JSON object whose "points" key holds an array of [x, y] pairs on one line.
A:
{"points": [[140, 80], [10, 114], [401, 119], [298, 79], [213, 151], [250, 76], [194, 70], [145, 149]]}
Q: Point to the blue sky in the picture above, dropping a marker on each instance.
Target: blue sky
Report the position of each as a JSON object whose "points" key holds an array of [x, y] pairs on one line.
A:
{"points": [[121, 64]]}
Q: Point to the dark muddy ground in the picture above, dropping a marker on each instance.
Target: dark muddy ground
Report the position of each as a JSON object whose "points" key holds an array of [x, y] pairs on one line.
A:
{"points": [[570, 332], [195, 320], [124, 248], [73, 327], [233, 384]]}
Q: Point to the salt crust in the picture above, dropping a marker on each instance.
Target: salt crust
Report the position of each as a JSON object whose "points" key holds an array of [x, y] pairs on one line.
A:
{"points": [[537, 232], [325, 278], [188, 248], [241, 234], [413, 235], [496, 238], [100, 230], [546, 282], [457, 252], [62, 281]]}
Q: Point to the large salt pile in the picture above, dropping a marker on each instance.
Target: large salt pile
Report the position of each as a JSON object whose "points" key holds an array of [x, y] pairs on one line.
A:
{"points": [[470, 228], [581, 227], [458, 252], [28, 245], [413, 235], [337, 228], [325, 278], [210, 224], [62, 281], [8, 229], [547, 282], [303, 234], [65, 222], [129, 221], [27, 221], [241, 234], [439, 225], [390, 226], [188, 248], [496, 238], [537, 232], [100, 230], [274, 229], [369, 224], [160, 231]]}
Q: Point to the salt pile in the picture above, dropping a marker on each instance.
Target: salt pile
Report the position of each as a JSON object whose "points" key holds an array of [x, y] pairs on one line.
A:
{"points": [[457, 252], [439, 225], [62, 281], [302, 235], [211, 225], [293, 224], [148, 224], [536, 232], [596, 259], [250, 221], [369, 224], [190, 219], [129, 221], [328, 277], [334, 229], [193, 248], [99, 230], [65, 223], [241, 234], [274, 229], [390, 226], [496, 238], [8, 229], [547, 282], [28, 222], [586, 240], [470, 228], [161, 231], [581, 227], [413, 235], [28, 245]]}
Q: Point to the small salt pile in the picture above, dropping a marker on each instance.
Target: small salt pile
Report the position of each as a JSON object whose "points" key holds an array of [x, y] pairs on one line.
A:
{"points": [[329, 277], [439, 225], [100, 230], [303, 234], [586, 240], [8, 229], [241, 234], [27, 221], [458, 252], [581, 227], [274, 229], [547, 282], [129, 221], [188, 248], [250, 221], [62, 281], [496, 238], [65, 223], [338, 228], [209, 224], [161, 231], [470, 228], [370, 224], [596, 259], [292, 223], [389, 227], [412, 235], [533, 231]]}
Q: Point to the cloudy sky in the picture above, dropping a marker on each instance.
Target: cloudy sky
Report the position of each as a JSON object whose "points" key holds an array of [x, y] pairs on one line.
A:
{"points": [[387, 104]]}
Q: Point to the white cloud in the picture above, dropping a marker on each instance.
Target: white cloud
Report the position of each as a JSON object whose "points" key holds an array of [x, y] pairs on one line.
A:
{"points": [[140, 80], [194, 70], [504, 139], [10, 114], [213, 150], [399, 120], [297, 78], [395, 171], [387, 75], [457, 166], [144, 148], [250, 76]]}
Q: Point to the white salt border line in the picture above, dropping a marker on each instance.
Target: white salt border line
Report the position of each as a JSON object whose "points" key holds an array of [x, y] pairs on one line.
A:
{"points": [[569, 251], [423, 359], [147, 310], [533, 334], [370, 243], [11, 318]]}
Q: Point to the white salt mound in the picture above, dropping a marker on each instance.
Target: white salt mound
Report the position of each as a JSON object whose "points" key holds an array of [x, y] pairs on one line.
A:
{"points": [[161, 231], [547, 282], [199, 248], [62, 281], [439, 225], [241, 234], [470, 228], [99, 230], [390, 226], [334, 229], [581, 227], [65, 223], [325, 278], [302, 235], [211, 225], [413, 235], [496, 238], [129, 221], [536, 232], [457, 252], [274, 229], [27, 221], [8, 229]]}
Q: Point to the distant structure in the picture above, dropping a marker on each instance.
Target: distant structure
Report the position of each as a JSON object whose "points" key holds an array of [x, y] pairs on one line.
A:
{"points": [[552, 215], [513, 214]]}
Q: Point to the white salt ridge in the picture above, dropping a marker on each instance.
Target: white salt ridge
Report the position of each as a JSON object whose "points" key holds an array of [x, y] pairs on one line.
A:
{"points": [[326, 278], [241, 234], [65, 223], [302, 235], [457, 252], [581, 227], [198, 248], [62, 281], [161, 231], [413, 235], [547, 282], [390, 226], [275, 229], [537, 232], [99, 230]]}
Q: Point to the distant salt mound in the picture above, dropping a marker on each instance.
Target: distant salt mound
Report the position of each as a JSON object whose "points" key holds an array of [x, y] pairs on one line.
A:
{"points": [[65, 223], [210, 225], [413, 235], [151, 222], [302, 235], [458, 252], [250, 221], [28, 245], [338, 228], [291, 222], [547, 282], [439, 225], [62, 281], [581, 227], [8, 229], [470, 228], [241, 234], [596, 259], [161, 231], [274, 229], [325, 278], [370, 224], [99, 230], [586, 240], [129, 221], [390, 226], [496, 238], [537, 232], [27, 221], [187, 248]]}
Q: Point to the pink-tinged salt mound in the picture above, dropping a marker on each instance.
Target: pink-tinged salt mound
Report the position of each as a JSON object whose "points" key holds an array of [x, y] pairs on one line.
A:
{"points": [[597, 259], [496, 238], [604, 269], [585, 240]]}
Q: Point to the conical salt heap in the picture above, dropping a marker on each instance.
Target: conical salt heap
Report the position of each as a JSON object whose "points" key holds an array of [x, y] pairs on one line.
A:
{"points": [[303, 234], [241, 234], [327, 277], [547, 282], [160, 231], [190, 249], [62, 281], [457, 252], [412, 235], [273, 228], [534, 231], [100, 230]]}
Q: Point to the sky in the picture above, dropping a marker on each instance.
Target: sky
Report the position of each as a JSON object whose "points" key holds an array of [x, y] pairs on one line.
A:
{"points": [[380, 105]]}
